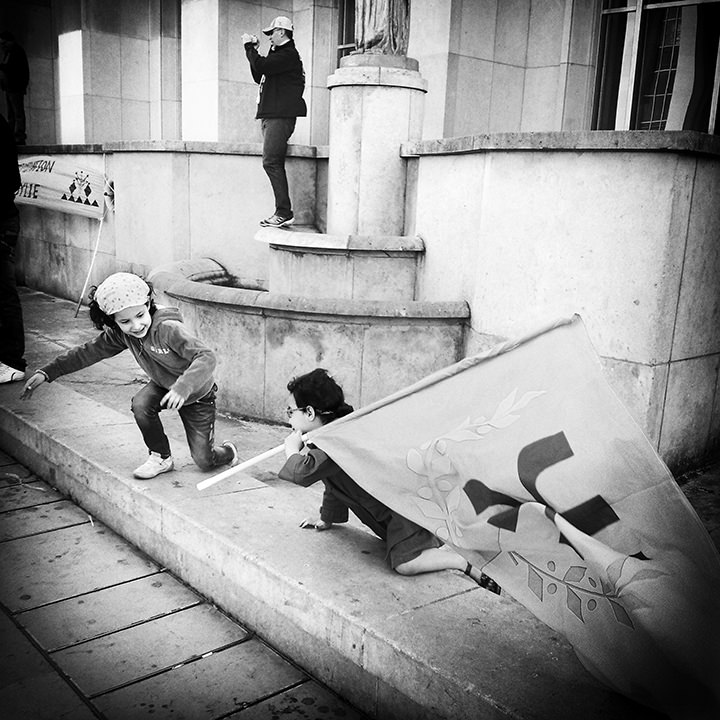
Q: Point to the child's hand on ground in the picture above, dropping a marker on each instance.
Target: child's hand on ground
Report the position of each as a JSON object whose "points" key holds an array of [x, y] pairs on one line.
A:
{"points": [[316, 523], [293, 443], [173, 400], [36, 379]]}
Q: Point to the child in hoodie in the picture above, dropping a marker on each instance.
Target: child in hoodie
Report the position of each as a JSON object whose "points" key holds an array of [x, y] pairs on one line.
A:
{"points": [[180, 368]]}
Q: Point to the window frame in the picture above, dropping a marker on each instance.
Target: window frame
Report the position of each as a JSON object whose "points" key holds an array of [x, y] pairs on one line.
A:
{"points": [[627, 100], [346, 29]]}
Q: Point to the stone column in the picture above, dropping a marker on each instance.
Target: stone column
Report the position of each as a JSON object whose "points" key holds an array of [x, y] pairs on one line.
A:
{"points": [[376, 104]]}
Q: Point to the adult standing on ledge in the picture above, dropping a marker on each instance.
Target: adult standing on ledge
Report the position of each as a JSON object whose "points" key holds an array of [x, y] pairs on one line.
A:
{"points": [[281, 78]]}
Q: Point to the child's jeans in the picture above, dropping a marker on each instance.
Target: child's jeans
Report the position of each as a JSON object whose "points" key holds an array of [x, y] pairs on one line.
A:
{"points": [[198, 419]]}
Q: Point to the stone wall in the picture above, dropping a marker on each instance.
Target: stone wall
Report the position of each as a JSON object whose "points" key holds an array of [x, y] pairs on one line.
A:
{"points": [[622, 228]]}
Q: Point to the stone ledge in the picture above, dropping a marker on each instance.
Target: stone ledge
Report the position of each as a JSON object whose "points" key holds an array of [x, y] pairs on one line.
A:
{"points": [[310, 241], [172, 281], [610, 140], [159, 146]]}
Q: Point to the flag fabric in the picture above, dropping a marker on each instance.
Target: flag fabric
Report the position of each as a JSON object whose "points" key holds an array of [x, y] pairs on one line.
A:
{"points": [[524, 460], [62, 185]]}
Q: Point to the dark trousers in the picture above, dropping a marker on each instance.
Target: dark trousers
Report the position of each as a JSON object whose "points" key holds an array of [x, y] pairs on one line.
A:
{"points": [[16, 115], [276, 133], [12, 330], [198, 419]]}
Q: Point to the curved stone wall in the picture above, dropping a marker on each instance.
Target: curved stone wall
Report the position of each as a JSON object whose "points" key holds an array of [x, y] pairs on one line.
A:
{"points": [[262, 339]]}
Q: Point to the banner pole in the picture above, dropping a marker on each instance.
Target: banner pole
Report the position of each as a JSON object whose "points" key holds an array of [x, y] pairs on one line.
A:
{"points": [[92, 262], [239, 468], [109, 200]]}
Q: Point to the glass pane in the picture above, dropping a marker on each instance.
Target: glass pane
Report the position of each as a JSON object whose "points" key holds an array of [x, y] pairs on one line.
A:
{"points": [[703, 82], [346, 28], [659, 57], [677, 68], [612, 43]]}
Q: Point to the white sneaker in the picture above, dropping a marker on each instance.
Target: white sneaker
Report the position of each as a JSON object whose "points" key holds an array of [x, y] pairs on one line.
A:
{"points": [[235, 459], [153, 466], [8, 374]]}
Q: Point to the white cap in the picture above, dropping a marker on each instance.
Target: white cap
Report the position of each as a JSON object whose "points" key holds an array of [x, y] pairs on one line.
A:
{"points": [[121, 290], [279, 22]]}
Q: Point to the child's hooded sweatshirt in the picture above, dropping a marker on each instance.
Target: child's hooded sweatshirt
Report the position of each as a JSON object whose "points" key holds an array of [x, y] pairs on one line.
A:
{"points": [[169, 354]]}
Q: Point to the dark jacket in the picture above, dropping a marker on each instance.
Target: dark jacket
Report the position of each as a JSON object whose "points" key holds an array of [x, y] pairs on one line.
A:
{"points": [[9, 172], [282, 81], [342, 493], [169, 354], [14, 70]]}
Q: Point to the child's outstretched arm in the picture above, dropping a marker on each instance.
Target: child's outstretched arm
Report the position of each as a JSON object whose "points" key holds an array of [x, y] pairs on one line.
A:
{"points": [[104, 346], [307, 468]]}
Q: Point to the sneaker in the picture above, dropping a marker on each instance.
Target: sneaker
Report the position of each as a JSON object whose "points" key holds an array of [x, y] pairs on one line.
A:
{"points": [[277, 221], [153, 466], [235, 460], [8, 374]]}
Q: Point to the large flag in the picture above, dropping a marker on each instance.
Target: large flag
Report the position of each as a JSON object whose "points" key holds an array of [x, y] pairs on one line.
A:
{"points": [[59, 184], [524, 460]]}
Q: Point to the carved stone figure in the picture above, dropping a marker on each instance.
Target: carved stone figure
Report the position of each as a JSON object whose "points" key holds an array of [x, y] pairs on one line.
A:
{"points": [[382, 26]]}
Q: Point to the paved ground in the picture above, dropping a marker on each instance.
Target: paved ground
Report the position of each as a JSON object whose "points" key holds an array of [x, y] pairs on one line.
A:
{"points": [[92, 628]]}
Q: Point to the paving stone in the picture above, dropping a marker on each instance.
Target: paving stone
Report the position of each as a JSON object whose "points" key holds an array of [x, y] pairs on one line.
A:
{"points": [[36, 519], [27, 493], [208, 688], [55, 566], [112, 660], [88, 616], [30, 688], [11, 473], [308, 701]]}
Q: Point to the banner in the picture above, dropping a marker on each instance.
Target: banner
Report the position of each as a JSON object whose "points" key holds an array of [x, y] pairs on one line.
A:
{"points": [[524, 460], [57, 184]]}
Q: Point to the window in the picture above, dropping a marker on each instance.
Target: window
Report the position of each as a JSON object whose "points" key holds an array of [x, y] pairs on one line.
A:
{"points": [[658, 66], [346, 28]]}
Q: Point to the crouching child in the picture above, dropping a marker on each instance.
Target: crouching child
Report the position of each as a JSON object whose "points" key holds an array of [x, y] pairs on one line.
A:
{"points": [[180, 368], [317, 400]]}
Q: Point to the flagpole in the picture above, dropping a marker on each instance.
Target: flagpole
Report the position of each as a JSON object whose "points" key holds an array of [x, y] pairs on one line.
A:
{"points": [[249, 463], [431, 379], [92, 262], [109, 197], [239, 468]]}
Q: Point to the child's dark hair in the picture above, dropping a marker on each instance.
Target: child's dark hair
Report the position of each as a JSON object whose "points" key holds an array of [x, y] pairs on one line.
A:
{"points": [[319, 390], [102, 320]]}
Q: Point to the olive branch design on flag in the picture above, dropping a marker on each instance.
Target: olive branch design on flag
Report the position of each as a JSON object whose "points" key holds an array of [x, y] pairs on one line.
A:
{"points": [[549, 581], [441, 492], [431, 462]]}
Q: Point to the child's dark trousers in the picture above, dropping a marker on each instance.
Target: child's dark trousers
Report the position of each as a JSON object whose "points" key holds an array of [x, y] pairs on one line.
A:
{"points": [[198, 419]]}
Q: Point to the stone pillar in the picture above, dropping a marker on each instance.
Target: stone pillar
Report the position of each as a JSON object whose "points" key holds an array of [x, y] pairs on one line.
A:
{"points": [[376, 104]]}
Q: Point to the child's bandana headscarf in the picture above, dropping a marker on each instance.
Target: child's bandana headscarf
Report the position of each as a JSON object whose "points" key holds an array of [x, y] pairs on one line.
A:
{"points": [[120, 291]]}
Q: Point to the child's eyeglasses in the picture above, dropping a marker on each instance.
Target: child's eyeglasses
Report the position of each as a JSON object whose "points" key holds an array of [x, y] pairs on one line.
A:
{"points": [[289, 411]]}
